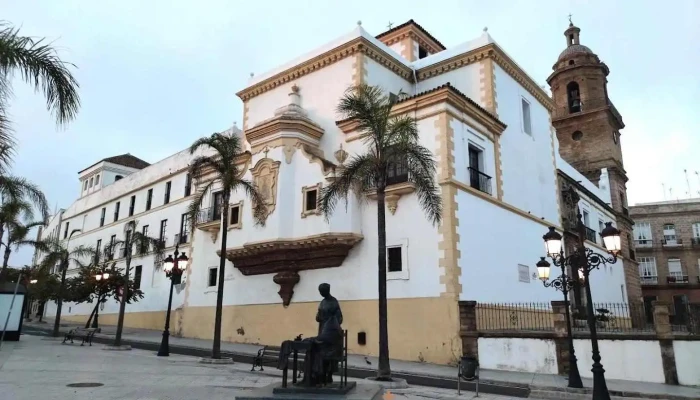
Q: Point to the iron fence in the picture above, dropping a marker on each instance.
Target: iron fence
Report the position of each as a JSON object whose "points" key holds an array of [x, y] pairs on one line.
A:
{"points": [[686, 319], [616, 318], [514, 317]]}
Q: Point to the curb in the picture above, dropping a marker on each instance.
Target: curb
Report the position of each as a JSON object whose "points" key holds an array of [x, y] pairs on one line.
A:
{"points": [[490, 387]]}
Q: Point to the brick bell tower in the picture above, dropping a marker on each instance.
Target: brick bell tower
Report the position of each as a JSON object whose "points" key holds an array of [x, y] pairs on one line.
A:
{"points": [[588, 129]]}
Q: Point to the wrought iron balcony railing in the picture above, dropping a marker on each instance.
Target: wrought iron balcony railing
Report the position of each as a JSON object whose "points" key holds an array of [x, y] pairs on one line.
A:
{"points": [[678, 278], [479, 180], [210, 214], [638, 243], [591, 235], [672, 243], [649, 280]]}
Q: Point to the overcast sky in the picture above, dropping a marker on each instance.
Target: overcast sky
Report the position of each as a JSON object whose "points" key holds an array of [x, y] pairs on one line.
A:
{"points": [[155, 75]]}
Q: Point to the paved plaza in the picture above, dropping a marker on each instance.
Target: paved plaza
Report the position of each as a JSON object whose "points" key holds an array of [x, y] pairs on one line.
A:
{"points": [[42, 368]]}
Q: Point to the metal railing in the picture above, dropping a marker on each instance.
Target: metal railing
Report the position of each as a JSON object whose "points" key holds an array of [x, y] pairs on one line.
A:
{"points": [[181, 238], [672, 243], [639, 243], [677, 279], [649, 280], [686, 318], [479, 180], [591, 235], [616, 318], [210, 214], [514, 317]]}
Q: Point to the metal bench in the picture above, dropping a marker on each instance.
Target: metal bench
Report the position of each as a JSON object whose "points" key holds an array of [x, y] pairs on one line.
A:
{"points": [[80, 333], [268, 355]]}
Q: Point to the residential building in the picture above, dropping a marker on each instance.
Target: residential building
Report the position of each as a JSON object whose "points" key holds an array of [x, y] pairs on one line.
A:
{"points": [[488, 124], [667, 243]]}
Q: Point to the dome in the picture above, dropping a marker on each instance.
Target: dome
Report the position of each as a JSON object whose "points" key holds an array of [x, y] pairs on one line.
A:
{"points": [[574, 49]]}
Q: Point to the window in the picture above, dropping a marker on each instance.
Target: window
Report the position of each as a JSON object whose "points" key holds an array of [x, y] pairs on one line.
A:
{"points": [[166, 198], [184, 228], [86, 185], [696, 230], [118, 177], [310, 200], [642, 233], [65, 232], [163, 229], [394, 263], [573, 96], [527, 124], [647, 271], [188, 185], [126, 246], [616, 136], [601, 225], [397, 171], [137, 276], [218, 200], [586, 218], [110, 250], [422, 52], [132, 203], [149, 199], [97, 179], [98, 248], [675, 269], [670, 234], [116, 211], [91, 181], [102, 216], [477, 178], [213, 275], [144, 246], [523, 273], [236, 215]]}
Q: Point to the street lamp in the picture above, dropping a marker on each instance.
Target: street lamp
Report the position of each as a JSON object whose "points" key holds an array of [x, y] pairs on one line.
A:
{"points": [[99, 277], [564, 284], [173, 266], [584, 260], [33, 281]]}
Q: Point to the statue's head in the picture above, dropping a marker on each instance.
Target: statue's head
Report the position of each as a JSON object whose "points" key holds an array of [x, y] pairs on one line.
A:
{"points": [[324, 289]]}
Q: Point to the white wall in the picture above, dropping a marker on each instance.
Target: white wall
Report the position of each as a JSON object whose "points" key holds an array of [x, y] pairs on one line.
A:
{"points": [[687, 354], [526, 159], [464, 135], [378, 75], [634, 360], [465, 79], [517, 354]]}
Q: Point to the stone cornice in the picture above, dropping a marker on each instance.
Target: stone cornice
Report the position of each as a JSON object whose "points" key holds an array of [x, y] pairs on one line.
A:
{"points": [[410, 31], [281, 123], [339, 53], [505, 62], [242, 160]]}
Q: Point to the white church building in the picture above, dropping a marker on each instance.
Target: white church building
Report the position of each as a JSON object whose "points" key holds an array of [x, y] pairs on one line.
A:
{"points": [[489, 126]]}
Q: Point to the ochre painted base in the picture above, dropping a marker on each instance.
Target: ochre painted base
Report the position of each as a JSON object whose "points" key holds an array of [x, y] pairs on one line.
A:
{"points": [[420, 329]]}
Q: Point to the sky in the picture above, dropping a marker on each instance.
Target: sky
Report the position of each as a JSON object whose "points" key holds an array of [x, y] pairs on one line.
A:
{"points": [[155, 75]]}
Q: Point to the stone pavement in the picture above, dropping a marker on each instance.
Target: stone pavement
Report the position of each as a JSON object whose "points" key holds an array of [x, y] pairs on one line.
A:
{"points": [[532, 380], [42, 368]]}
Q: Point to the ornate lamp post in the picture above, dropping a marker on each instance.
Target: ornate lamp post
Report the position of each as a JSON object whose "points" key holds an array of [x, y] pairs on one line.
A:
{"points": [[99, 277], [173, 266], [564, 284], [585, 260]]}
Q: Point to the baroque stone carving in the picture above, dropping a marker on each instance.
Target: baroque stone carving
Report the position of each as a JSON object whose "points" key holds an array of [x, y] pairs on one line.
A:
{"points": [[287, 280], [265, 175], [569, 212]]}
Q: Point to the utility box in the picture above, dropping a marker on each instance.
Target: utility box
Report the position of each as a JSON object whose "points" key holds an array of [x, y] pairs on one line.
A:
{"points": [[14, 323]]}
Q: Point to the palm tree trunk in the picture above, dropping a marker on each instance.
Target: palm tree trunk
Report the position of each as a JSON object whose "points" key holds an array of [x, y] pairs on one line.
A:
{"points": [[6, 257], [2, 232], [216, 348], [125, 295], [59, 301], [87, 324], [41, 311], [384, 370]]}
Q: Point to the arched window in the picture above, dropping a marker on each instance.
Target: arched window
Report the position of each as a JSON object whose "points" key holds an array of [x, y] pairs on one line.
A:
{"points": [[574, 97]]}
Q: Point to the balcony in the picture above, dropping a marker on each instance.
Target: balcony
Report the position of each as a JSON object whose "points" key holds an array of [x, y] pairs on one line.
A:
{"points": [[649, 280], [479, 180], [209, 220], [672, 243], [695, 242], [677, 279], [181, 238], [591, 235], [642, 243]]}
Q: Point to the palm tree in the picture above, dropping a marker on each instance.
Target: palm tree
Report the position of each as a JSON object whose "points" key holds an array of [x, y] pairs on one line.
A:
{"points": [[134, 241], [17, 233], [392, 144], [57, 253], [18, 198], [38, 64], [226, 148]]}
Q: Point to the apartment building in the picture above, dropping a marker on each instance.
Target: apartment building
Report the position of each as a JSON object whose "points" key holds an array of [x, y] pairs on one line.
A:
{"points": [[667, 244]]}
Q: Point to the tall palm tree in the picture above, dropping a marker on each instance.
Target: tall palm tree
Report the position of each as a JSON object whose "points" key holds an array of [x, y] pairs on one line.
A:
{"points": [[57, 253], [38, 64], [17, 233], [392, 143], [226, 147], [134, 242]]}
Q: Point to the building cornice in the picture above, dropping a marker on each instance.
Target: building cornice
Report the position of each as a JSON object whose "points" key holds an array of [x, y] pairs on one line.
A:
{"points": [[358, 45], [260, 134], [410, 31], [494, 52]]}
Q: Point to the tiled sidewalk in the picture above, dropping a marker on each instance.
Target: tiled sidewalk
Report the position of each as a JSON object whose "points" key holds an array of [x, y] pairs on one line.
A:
{"points": [[532, 380]]}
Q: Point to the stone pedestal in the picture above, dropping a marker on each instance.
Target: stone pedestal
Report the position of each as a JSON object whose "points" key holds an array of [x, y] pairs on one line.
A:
{"points": [[275, 391]]}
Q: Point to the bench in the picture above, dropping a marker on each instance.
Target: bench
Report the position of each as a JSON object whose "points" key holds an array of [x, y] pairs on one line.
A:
{"points": [[80, 333], [269, 355]]}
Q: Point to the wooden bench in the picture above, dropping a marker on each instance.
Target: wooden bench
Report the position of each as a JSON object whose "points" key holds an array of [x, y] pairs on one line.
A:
{"points": [[80, 333]]}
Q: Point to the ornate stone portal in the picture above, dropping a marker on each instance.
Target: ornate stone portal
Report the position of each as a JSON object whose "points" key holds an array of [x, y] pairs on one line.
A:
{"points": [[286, 257], [265, 174]]}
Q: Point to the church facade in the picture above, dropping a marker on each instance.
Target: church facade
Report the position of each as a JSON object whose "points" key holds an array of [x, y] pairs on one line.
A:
{"points": [[500, 172]]}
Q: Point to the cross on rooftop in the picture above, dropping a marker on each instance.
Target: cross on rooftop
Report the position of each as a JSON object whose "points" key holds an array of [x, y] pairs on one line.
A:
{"points": [[390, 24]]}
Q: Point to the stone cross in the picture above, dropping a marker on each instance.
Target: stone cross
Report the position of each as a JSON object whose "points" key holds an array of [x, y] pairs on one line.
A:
{"points": [[390, 24], [570, 15]]}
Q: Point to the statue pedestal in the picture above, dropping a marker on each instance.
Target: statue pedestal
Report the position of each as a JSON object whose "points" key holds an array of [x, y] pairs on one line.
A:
{"points": [[352, 391]]}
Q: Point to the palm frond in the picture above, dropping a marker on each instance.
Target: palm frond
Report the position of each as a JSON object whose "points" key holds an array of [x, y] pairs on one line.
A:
{"points": [[17, 188], [259, 206], [39, 65], [195, 205], [359, 174], [370, 108]]}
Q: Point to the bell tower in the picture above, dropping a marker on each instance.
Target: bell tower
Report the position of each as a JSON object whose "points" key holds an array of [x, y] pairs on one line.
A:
{"points": [[588, 131]]}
